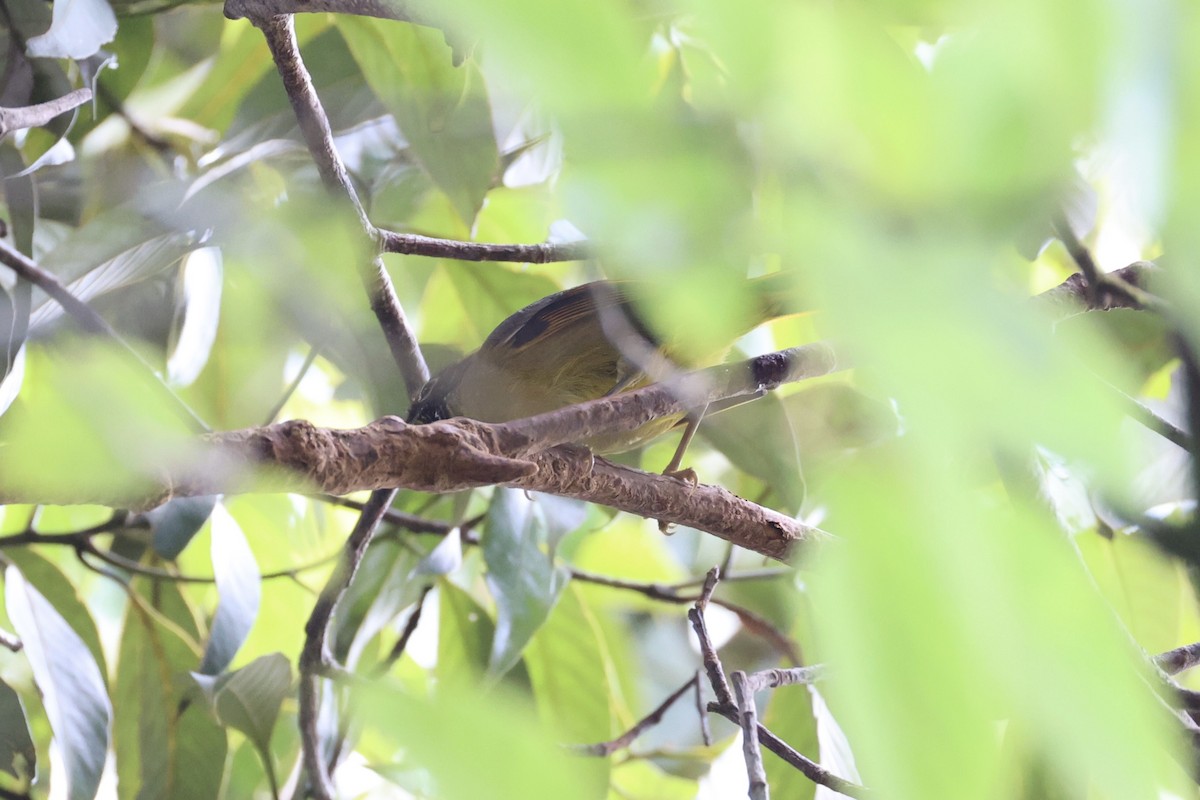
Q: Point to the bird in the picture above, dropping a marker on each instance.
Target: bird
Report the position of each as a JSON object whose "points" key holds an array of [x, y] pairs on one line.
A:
{"points": [[580, 344]]}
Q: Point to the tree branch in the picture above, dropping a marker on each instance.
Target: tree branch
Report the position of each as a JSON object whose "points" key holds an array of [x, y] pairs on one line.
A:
{"points": [[544, 253], [315, 658], [14, 119], [604, 749], [1176, 661], [280, 34]]}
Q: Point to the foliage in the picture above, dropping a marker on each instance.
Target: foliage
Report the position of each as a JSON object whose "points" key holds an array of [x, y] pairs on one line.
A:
{"points": [[996, 581]]}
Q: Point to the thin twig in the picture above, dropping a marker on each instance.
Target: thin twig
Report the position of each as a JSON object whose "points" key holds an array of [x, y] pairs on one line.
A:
{"points": [[673, 593], [708, 653], [748, 720], [410, 628], [774, 678], [1176, 661], [280, 34], [1140, 413], [14, 119], [1082, 257], [604, 749], [543, 253], [393, 516], [710, 585], [806, 766], [315, 658], [294, 385], [87, 319], [10, 641], [702, 712]]}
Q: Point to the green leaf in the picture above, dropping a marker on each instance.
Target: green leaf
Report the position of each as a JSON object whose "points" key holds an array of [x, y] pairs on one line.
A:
{"points": [[55, 587], [199, 756], [1147, 590], [239, 587], [521, 575], [637, 779], [465, 634], [73, 690], [510, 759], [18, 756], [757, 438], [179, 519], [568, 667], [442, 110], [250, 698], [464, 302], [156, 648], [789, 715]]}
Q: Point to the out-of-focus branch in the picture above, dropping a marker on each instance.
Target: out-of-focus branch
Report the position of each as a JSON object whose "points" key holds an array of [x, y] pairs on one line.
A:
{"points": [[14, 119]]}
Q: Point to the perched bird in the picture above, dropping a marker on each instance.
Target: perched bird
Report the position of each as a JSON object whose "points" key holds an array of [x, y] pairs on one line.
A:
{"points": [[576, 345]]}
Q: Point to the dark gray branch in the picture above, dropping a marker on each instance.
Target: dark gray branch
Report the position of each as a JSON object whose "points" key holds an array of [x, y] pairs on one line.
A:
{"points": [[543, 253]]}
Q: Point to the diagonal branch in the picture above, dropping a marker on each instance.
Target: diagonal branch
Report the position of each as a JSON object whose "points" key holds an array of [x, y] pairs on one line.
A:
{"points": [[14, 119], [280, 34], [457, 454]]}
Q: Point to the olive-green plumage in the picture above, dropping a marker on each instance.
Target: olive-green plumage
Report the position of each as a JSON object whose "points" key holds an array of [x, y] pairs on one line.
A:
{"points": [[559, 351]]}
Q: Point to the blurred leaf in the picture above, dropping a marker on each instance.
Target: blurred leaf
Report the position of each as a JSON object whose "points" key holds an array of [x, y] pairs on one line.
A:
{"points": [[199, 306], [79, 28], [758, 439], [14, 376], [54, 587], [472, 299], [95, 261], [982, 588], [20, 198], [1142, 339], [240, 588], [445, 558], [1147, 590], [465, 634], [176, 521], [199, 756], [442, 110], [18, 756], [643, 780], [264, 111], [836, 754], [567, 666], [830, 418], [521, 575], [132, 47], [510, 758], [73, 690]]}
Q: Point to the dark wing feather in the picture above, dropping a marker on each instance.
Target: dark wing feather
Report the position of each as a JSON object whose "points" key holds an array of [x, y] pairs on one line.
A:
{"points": [[560, 311]]}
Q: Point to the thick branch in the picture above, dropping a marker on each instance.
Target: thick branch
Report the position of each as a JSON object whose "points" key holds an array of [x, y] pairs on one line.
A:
{"points": [[442, 457]]}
